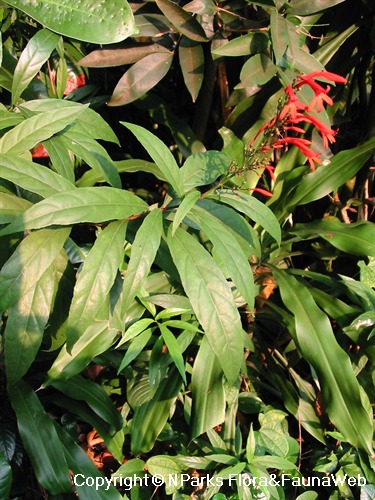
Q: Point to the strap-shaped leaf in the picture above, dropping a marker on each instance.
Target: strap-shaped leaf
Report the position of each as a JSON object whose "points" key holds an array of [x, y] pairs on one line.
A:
{"points": [[317, 344], [25, 326], [30, 260], [11, 207], [32, 176], [245, 45], [144, 248], [160, 154], [97, 204], [32, 58], [254, 209], [184, 208], [182, 20], [173, 349], [40, 439], [87, 20], [211, 298], [38, 128], [141, 77], [230, 252], [208, 407], [191, 59], [133, 52], [96, 280]]}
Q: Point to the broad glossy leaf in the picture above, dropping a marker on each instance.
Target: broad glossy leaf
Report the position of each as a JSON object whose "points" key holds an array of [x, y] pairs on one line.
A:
{"points": [[83, 467], [94, 395], [285, 43], [30, 260], [201, 169], [254, 209], [33, 56], [328, 178], [207, 385], [91, 121], [97, 339], [5, 477], [32, 176], [317, 344], [184, 208], [96, 280], [141, 77], [9, 119], [104, 58], [152, 24], [87, 20], [40, 439], [160, 154], [245, 45], [191, 59], [230, 252], [150, 418], [38, 128], [211, 298], [258, 70], [144, 249], [167, 468], [11, 207], [97, 204], [307, 7], [355, 239], [25, 326], [182, 20]]}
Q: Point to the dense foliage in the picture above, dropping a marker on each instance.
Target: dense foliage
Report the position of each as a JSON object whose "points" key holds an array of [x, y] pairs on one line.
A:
{"points": [[187, 252]]}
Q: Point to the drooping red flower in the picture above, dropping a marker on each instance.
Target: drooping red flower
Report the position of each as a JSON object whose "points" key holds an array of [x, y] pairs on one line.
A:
{"points": [[320, 92], [303, 146], [326, 132], [292, 106]]}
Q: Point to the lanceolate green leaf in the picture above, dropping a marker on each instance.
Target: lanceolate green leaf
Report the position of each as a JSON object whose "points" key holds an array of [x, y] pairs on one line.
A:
{"points": [[61, 158], [182, 20], [306, 7], [187, 203], [314, 336], [192, 65], [160, 154], [254, 209], [40, 440], [245, 45], [25, 327], [230, 252], [174, 350], [356, 239], [5, 476], [32, 176], [212, 300], [34, 55], [201, 169], [144, 248], [328, 178], [88, 20], [96, 204], [11, 207], [95, 280], [31, 259], [208, 401], [31, 131]]}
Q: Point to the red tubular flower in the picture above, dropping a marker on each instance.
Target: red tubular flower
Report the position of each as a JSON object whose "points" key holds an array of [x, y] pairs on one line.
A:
{"points": [[303, 146], [292, 106], [327, 133], [319, 91], [264, 192], [39, 152]]}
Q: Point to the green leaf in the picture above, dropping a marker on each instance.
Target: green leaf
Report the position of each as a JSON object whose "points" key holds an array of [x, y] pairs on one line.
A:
{"points": [[136, 347], [150, 418], [141, 77], [97, 204], [230, 252], [61, 158], [87, 20], [184, 208], [144, 249], [355, 239], [40, 440], [245, 45], [201, 169], [135, 329], [36, 129], [25, 267], [258, 70], [32, 58], [164, 467], [133, 52], [208, 401], [272, 462], [5, 477], [25, 326], [317, 344], [191, 59], [254, 209], [94, 395], [97, 339], [160, 154], [32, 176], [96, 280], [328, 178], [183, 21], [306, 7], [212, 300], [11, 207], [174, 350]]}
